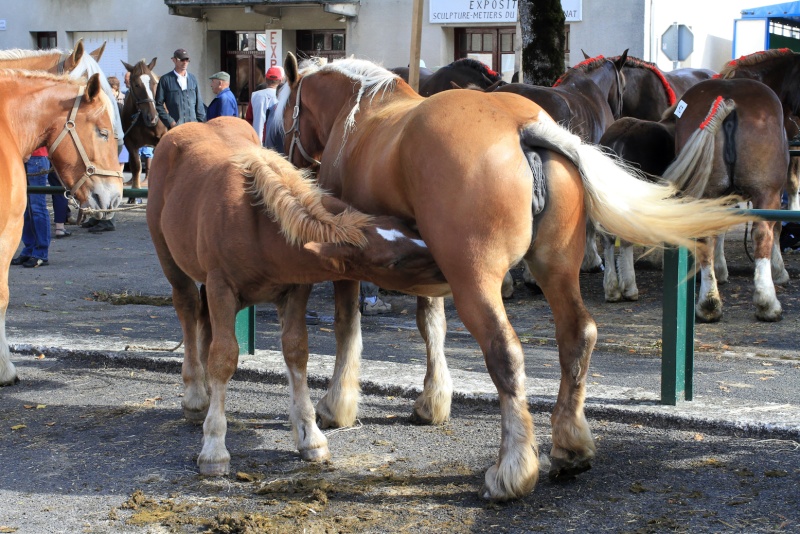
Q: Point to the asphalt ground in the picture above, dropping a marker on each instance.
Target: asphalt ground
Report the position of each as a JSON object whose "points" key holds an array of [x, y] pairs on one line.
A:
{"points": [[62, 316]]}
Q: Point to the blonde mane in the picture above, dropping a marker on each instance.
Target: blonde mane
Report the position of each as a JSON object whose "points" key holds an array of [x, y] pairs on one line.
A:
{"points": [[292, 199], [19, 53]]}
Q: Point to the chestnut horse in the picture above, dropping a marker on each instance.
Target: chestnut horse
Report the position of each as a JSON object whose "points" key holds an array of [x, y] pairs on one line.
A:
{"points": [[729, 138], [488, 179], [244, 223], [73, 120], [77, 64], [139, 115], [586, 100]]}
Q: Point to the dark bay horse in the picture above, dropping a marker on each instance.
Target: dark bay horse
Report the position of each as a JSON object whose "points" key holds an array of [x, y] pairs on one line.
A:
{"points": [[487, 180], [73, 119], [728, 139], [780, 70], [139, 115], [586, 100], [250, 228], [465, 73]]}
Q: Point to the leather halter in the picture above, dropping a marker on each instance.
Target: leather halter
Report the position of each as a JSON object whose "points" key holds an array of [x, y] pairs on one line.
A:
{"points": [[135, 117], [69, 128], [295, 131]]}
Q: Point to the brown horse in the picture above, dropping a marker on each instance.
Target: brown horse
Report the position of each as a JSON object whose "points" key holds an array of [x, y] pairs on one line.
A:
{"points": [[139, 115], [587, 100], [244, 223], [77, 64], [729, 138], [73, 120], [488, 179], [780, 70]]}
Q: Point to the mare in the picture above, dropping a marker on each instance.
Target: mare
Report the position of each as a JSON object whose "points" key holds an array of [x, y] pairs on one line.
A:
{"points": [[139, 115], [587, 100], [649, 91], [465, 72], [250, 228], [72, 118], [485, 189], [729, 139], [780, 70], [77, 64]]}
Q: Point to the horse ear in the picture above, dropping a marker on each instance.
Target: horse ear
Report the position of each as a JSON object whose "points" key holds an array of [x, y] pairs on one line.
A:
{"points": [[97, 54], [333, 256], [127, 66], [455, 85], [152, 64], [622, 59], [93, 87], [585, 55], [290, 68], [77, 53]]}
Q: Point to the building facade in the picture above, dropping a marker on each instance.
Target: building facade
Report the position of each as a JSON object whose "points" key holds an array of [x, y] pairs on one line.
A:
{"points": [[245, 37]]}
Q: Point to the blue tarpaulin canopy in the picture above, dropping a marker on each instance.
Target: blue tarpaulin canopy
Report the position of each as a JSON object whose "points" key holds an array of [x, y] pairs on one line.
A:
{"points": [[786, 10]]}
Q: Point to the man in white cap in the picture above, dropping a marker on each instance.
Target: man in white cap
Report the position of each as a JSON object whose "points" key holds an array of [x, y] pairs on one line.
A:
{"points": [[179, 92], [224, 103], [262, 103]]}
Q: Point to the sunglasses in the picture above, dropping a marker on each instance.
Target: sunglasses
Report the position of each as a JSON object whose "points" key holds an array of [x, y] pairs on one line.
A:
{"points": [[177, 59]]}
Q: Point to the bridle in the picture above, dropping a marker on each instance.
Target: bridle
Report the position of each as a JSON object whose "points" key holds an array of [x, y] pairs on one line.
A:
{"points": [[135, 117], [91, 169], [295, 131]]}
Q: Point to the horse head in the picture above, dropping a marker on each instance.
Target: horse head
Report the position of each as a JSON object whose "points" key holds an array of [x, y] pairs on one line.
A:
{"points": [[87, 160], [142, 91]]}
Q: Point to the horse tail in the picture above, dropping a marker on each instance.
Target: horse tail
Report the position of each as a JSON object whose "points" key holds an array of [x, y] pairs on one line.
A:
{"points": [[691, 170], [293, 200], [626, 204]]}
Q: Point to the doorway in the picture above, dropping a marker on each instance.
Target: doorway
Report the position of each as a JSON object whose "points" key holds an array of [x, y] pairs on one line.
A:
{"points": [[491, 46]]}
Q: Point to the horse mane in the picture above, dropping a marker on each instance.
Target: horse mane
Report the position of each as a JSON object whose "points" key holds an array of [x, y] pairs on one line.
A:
{"points": [[292, 199], [586, 66], [19, 53], [637, 63], [474, 64], [751, 60], [40, 74]]}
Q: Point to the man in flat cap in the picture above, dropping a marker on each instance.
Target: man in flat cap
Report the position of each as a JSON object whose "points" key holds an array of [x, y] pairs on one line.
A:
{"points": [[178, 90], [224, 103]]}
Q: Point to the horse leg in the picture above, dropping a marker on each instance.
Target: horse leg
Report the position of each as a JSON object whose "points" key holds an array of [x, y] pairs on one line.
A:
{"points": [[433, 405], [135, 165], [720, 264], [188, 305], [592, 263], [709, 304], [223, 356], [312, 444], [339, 406], [767, 306], [779, 273], [611, 284], [507, 290], [627, 273], [793, 183], [8, 373]]}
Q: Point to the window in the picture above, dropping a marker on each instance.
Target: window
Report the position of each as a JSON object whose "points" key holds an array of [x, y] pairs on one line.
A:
{"points": [[330, 44], [491, 46], [45, 40]]}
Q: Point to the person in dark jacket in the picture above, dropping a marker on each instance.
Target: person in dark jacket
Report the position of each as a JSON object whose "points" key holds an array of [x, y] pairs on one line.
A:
{"points": [[178, 90], [224, 103]]}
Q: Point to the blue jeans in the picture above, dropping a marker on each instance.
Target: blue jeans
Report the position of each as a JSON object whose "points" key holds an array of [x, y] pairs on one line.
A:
{"points": [[36, 226], [60, 207]]}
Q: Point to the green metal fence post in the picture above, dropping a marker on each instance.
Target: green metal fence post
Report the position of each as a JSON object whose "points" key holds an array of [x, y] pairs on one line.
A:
{"points": [[246, 330], [677, 328]]}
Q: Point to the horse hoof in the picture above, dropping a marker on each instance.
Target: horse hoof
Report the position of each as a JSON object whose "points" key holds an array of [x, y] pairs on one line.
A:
{"points": [[196, 417], [13, 382], [769, 316], [561, 469], [615, 297], [418, 418], [214, 469], [324, 422], [709, 311], [320, 454], [633, 297]]}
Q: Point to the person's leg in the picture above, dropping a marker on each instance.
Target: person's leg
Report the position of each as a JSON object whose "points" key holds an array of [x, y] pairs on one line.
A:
{"points": [[59, 207], [39, 227], [371, 303]]}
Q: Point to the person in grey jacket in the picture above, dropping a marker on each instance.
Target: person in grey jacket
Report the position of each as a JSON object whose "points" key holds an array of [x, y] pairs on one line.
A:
{"points": [[178, 90]]}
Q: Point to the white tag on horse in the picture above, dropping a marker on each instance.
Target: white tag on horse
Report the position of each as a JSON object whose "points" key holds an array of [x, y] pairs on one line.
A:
{"points": [[680, 108]]}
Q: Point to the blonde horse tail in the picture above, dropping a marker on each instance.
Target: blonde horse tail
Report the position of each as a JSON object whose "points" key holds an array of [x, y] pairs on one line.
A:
{"points": [[293, 200], [692, 168], [628, 206]]}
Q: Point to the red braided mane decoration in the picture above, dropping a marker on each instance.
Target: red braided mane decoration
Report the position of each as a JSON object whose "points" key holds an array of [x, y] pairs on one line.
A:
{"points": [[751, 59], [584, 66], [714, 109], [642, 64]]}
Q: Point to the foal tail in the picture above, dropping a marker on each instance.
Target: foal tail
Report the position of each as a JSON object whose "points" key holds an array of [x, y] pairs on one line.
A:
{"points": [[295, 202], [692, 168], [636, 210]]}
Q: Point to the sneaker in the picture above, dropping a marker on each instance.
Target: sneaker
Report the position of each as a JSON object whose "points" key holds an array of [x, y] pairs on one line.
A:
{"points": [[376, 308], [20, 260], [35, 262], [102, 226]]}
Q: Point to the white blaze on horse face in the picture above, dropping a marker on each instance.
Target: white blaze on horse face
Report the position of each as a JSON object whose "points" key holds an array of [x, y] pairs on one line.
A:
{"points": [[394, 235], [146, 82]]}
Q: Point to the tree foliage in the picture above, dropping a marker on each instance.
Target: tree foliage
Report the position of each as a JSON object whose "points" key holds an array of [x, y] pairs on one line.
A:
{"points": [[542, 23]]}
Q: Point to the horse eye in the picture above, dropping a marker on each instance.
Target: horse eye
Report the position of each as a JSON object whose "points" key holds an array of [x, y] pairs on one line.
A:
{"points": [[104, 134]]}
